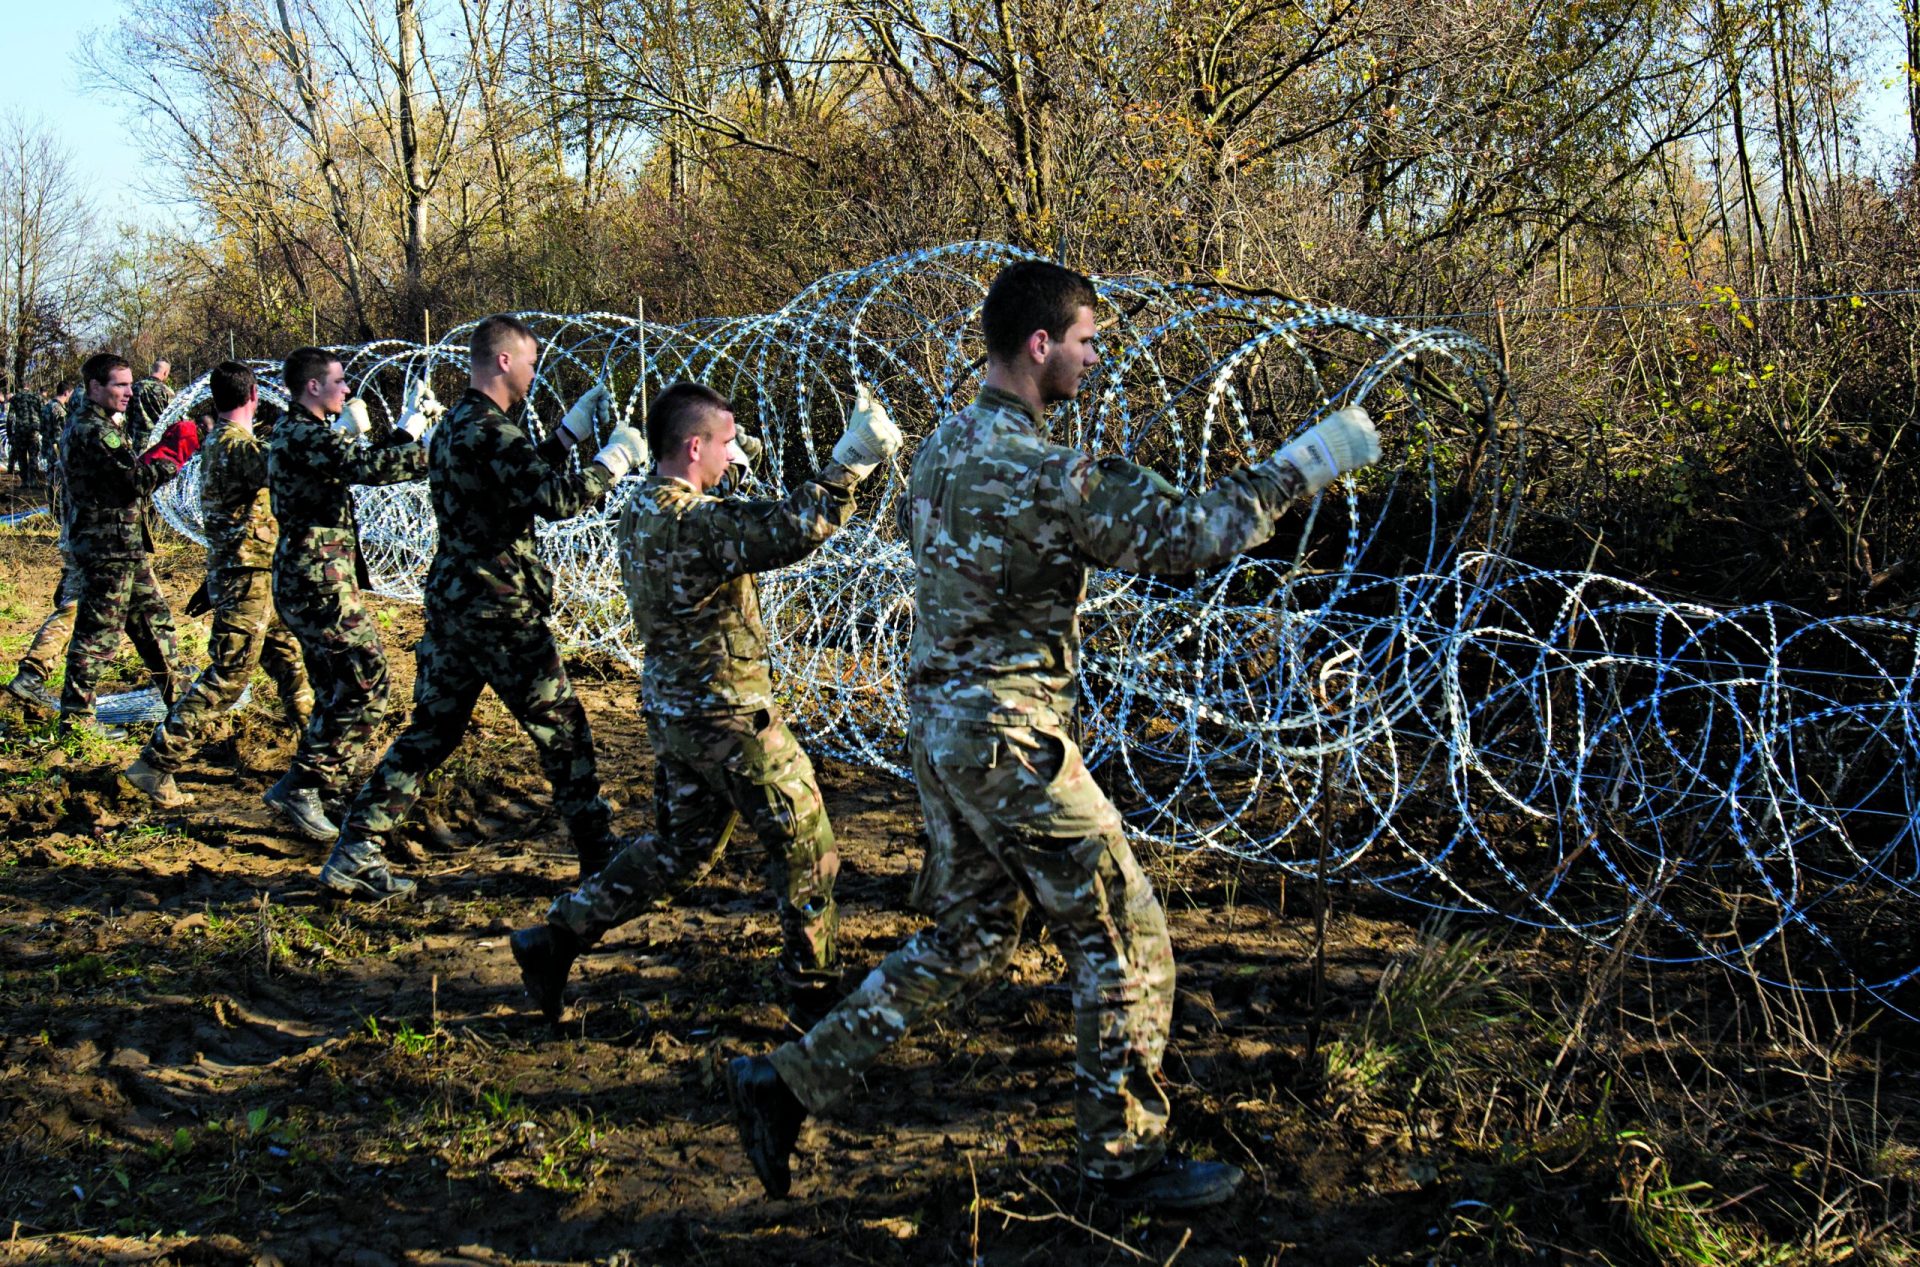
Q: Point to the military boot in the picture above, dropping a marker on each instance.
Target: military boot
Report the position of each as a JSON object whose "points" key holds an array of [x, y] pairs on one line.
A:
{"points": [[768, 1116], [31, 690], [157, 784], [302, 807], [545, 954], [357, 868], [1175, 1183]]}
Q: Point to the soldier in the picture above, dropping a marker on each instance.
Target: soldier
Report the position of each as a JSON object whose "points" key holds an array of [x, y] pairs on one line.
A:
{"points": [[722, 750], [488, 596], [49, 644], [241, 534], [1004, 527], [107, 487], [23, 435], [151, 396], [53, 421], [315, 457]]}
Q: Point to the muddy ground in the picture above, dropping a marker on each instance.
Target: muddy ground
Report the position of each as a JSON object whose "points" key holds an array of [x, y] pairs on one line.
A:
{"points": [[205, 1061]]}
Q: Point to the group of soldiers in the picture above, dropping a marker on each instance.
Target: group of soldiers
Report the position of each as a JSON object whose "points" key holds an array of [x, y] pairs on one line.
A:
{"points": [[33, 427], [1003, 525]]}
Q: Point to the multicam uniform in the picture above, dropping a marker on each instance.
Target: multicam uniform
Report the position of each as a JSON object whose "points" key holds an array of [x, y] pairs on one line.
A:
{"points": [[488, 596], [241, 534], [1004, 529], [311, 469], [721, 748], [107, 488]]}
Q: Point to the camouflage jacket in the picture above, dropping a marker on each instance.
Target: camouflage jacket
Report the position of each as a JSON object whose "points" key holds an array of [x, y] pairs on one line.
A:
{"points": [[687, 561], [235, 507], [1004, 527], [489, 483], [106, 487], [150, 399], [311, 469], [53, 420], [23, 413]]}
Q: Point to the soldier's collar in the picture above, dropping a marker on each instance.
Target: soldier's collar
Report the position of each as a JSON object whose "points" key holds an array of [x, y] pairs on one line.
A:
{"points": [[994, 398]]}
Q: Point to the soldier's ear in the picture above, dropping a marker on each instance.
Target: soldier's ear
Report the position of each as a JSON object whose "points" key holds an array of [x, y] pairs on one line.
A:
{"points": [[1039, 343]]}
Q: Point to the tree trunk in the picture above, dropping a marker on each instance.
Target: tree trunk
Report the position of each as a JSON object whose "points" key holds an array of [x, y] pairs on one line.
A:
{"points": [[415, 195]]}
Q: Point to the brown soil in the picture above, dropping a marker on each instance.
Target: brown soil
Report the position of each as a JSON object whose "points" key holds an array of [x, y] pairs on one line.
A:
{"points": [[207, 1062]]}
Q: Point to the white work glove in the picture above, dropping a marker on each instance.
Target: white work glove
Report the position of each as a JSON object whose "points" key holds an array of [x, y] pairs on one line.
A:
{"points": [[419, 409], [583, 420], [871, 438], [626, 450], [354, 419], [1343, 441]]}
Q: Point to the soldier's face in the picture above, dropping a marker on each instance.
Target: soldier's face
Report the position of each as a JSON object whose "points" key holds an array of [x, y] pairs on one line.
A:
{"points": [[113, 394], [516, 370], [328, 393], [709, 458], [1070, 359]]}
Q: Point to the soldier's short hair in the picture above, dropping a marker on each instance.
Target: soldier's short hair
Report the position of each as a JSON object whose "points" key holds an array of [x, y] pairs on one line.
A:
{"points": [[159, 365], [491, 336], [1031, 295], [303, 366], [100, 367], [680, 411], [231, 384]]}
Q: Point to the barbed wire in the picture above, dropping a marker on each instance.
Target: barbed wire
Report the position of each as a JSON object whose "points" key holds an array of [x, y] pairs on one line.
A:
{"points": [[1382, 693]]}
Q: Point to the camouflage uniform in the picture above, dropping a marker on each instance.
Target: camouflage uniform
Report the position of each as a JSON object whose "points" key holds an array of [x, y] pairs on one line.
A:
{"points": [[49, 646], [721, 748], [488, 596], [150, 399], [246, 632], [311, 468], [23, 434], [1004, 528], [107, 487], [53, 421]]}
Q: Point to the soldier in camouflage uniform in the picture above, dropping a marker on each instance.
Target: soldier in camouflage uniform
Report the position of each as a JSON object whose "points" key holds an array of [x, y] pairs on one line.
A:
{"points": [[722, 750], [53, 421], [488, 596], [107, 488], [151, 396], [49, 645], [241, 533], [318, 452], [1004, 527], [23, 435]]}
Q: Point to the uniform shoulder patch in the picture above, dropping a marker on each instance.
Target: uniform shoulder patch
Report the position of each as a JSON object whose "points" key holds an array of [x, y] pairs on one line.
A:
{"points": [[112, 439]]}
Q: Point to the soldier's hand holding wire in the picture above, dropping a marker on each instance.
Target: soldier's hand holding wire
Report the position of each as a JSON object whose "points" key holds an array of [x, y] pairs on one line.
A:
{"points": [[177, 444], [1343, 441], [419, 408], [592, 411], [871, 438], [354, 420], [626, 450]]}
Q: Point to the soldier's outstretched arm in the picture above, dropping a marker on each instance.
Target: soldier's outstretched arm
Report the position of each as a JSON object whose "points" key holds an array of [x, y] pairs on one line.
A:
{"points": [[535, 477], [365, 464], [744, 536], [1123, 515]]}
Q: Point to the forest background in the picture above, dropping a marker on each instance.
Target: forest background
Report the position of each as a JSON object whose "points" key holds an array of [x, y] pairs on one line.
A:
{"points": [[1602, 186]]}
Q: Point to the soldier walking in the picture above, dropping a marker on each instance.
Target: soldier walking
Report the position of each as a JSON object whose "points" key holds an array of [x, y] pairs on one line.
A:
{"points": [[317, 453], [488, 597], [107, 489], [53, 421], [1004, 527], [722, 750], [23, 434], [49, 645], [241, 534]]}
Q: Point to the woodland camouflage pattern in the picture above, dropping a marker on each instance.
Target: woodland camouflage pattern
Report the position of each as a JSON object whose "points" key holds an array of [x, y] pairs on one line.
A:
{"points": [[23, 432], [723, 751], [149, 400], [107, 487], [1004, 528], [487, 598], [311, 469], [236, 514]]}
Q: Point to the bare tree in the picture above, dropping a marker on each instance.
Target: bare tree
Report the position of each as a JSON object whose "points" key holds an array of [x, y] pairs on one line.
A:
{"points": [[45, 231]]}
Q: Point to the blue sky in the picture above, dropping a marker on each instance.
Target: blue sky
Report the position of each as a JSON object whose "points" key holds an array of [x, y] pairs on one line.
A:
{"points": [[41, 78]]}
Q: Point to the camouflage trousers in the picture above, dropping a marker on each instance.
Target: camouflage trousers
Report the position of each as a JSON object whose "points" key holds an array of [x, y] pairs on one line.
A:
{"points": [[116, 595], [319, 598], [521, 663], [246, 635], [25, 456], [709, 772], [1014, 819], [49, 646]]}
